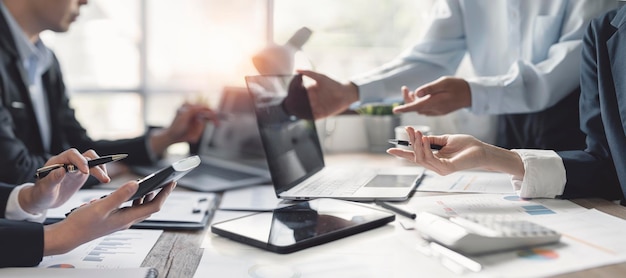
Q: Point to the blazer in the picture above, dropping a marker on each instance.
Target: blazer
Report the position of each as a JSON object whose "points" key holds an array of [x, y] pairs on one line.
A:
{"points": [[21, 149], [600, 170], [21, 242]]}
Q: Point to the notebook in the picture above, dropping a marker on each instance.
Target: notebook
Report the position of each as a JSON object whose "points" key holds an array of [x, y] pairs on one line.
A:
{"points": [[231, 153], [295, 157]]}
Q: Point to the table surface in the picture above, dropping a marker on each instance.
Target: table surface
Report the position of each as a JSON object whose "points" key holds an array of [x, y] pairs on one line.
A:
{"points": [[178, 253]]}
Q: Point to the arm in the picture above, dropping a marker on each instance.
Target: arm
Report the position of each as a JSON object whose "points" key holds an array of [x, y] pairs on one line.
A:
{"points": [[439, 53], [101, 217], [592, 172]]}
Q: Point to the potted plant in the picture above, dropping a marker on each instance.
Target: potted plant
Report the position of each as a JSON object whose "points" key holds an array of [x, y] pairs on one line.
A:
{"points": [[379, 121]]}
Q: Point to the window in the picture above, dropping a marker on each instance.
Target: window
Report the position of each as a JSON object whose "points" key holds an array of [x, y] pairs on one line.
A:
{"points": [[131, 62]]}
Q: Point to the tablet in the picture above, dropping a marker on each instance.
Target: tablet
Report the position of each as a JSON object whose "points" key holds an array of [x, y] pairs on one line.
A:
{"points": [[292, 228], [166, 175]]}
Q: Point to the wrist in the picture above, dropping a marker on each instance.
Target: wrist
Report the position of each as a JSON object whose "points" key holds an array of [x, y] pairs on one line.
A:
{"points": [[159, 141], [27, 200], [55, 241], [352, 93], [503, 160]]}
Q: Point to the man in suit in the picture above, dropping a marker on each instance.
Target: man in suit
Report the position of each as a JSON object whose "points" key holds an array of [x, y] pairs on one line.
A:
{"points": [[36, 120], [597, 171], [25, 240], [525, 55]]}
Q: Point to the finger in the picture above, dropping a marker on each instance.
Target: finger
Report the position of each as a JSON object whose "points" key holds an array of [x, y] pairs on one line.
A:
{"points": [[431, 88], [402, 153], [52, 179], [418, 147], [147, 208], [100, 171], [311, 74], [406, 95], [416, 105], [70, 156], [119, 196]]}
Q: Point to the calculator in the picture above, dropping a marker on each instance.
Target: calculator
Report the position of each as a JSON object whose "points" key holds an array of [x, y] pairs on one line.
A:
{"points": [[483, 233]]}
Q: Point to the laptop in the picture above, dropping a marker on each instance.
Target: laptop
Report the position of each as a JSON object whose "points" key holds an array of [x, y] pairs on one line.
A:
{"points": [[231, 153], [295, 157]]}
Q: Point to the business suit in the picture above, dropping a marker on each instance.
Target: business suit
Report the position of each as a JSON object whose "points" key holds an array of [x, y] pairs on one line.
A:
{"points": [[600, 170], [21, 241], [20, 140]]}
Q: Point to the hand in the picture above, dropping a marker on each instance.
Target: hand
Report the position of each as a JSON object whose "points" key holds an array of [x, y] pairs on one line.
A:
{"points": [[444, 95], [187, 126], [102, 217], [327, 96], [459, 152], [57, 187]]}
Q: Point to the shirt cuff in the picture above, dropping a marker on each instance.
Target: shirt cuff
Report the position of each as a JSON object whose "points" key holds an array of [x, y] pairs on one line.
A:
{"points": [[544, 175], [15, 212], [369, 90], [485, 93]]}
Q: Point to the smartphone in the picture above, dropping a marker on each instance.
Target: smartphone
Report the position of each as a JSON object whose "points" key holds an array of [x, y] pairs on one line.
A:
{"points": [[166, 175]]}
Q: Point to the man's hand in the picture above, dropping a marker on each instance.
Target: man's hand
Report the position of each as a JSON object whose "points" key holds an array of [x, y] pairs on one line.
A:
{"points": [[440, 97], [327, 96], [187, 126]]}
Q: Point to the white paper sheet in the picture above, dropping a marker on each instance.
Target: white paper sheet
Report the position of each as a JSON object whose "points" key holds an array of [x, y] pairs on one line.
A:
{"points": [[178, 207], [467, 181], [123, 249]]}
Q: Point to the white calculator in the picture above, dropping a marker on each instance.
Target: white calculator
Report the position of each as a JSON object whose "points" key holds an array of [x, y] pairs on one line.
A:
{"points": [[479, 234]]}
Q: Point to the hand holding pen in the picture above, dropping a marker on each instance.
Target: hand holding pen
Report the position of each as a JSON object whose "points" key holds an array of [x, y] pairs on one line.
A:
{"points": [[44, 171], [59, 185]]}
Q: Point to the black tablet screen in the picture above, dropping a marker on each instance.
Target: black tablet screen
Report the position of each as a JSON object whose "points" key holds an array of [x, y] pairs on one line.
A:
{"points": [[304, 224]]}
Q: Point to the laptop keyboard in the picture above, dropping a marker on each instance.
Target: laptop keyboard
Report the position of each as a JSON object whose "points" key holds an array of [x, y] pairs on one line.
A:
{"points": [[335, 182]]}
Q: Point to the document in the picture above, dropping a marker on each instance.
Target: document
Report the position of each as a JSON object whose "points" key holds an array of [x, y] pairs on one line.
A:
{"points": [[123, 249], [467, 182], [25, 272], [182, 209]]}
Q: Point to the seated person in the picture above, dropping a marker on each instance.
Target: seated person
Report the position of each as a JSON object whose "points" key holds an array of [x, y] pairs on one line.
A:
{"points": [[36, 119], [25, 240], [597, 171]]}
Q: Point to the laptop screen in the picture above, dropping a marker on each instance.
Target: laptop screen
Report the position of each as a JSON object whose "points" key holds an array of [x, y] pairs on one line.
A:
{"points": [[287, 128], [236, 138]]}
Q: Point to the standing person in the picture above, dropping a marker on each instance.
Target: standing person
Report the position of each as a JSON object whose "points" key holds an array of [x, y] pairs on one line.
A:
{"points": [[598, 170], [25, 240], [36, 120], [526, 57]]}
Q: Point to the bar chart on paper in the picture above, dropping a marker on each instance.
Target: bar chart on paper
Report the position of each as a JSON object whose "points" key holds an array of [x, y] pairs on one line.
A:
{"points": [[123, 249], [467, 182]]}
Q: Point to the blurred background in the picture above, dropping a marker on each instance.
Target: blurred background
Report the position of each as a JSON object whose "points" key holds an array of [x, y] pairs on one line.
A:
{"points": [[130, 63]]}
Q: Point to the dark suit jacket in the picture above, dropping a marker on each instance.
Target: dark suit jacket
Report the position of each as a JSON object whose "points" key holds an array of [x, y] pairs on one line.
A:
{"points": [[21, 149], [21, 242], [600, 170]]}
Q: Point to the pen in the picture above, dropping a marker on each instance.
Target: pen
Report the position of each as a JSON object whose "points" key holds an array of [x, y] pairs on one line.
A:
{"points": [[406, 143], [395, 209], [44, 171]]}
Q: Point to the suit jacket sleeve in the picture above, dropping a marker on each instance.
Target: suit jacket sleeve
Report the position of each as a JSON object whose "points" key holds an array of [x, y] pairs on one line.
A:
{"points": [[591, 173], [21, 241], [20, 146]]}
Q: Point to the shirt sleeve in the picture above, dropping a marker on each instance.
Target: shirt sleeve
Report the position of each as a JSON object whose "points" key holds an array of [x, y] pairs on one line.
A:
{"points": [[15, 212], [544, 175], [537, 84], [439, 53]]}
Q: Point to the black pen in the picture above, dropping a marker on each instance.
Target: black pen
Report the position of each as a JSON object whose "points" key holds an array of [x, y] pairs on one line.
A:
{"points": [[407, 143], [44, 171], [396, 209]]}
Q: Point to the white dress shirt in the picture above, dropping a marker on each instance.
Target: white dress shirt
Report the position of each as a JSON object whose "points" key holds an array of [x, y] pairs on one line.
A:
{"points": [[544, 175], [525, 53], [15, 212]]}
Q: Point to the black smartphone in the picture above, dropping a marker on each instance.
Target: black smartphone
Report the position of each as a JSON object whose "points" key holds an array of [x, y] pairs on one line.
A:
{"points": [[302, 225], [166, 175]]}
